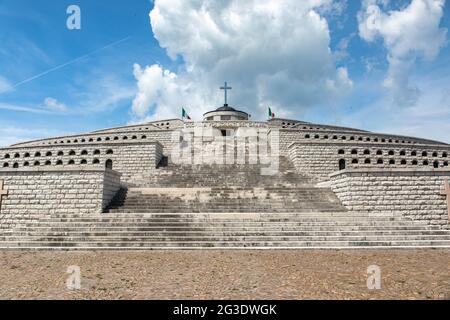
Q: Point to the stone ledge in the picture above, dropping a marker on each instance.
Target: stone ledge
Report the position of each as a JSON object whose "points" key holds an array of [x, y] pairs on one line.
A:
{"points": [[83, 144], [88, 134], [75, 168], [367, 144], [393, 172]]}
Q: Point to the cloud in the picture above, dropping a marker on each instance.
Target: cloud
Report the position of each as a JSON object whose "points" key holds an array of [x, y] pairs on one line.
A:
{"points": [[104, 92], [409, 33], [271, 52], [5, 85], [335, 11], [157, 87], [22, 108], [426, 118], [54, 105], [341, 52], [68, 63]]}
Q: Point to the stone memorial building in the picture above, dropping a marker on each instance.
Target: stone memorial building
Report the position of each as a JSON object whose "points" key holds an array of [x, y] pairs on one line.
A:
{"points": [[225, 182]]}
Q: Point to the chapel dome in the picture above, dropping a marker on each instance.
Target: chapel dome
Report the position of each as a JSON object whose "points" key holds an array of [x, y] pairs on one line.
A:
{"points": [[225, 113]]}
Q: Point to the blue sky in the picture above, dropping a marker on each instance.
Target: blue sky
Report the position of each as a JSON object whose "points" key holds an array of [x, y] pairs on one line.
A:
{"points": [[56, 81]]}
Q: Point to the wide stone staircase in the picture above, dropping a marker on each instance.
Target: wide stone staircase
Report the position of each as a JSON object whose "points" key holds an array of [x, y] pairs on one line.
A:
{"points": [[215, 231], [225, 199], [222, 206], [231, 175], [224, 189]]}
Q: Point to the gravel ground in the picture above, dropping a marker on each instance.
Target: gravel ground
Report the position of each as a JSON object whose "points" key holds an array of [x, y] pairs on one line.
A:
{"points": [[308, 274]]}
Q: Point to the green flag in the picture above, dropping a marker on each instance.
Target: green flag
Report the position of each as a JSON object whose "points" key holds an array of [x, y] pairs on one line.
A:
{"points": [[271, 114], [184, 114]]}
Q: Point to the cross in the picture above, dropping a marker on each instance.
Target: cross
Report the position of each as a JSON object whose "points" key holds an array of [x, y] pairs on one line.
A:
{"points": [[3, 192], [446, 192], [225, 88]]}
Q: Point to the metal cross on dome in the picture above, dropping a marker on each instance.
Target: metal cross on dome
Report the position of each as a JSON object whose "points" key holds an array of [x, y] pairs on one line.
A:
{"points": [[226, 88]]}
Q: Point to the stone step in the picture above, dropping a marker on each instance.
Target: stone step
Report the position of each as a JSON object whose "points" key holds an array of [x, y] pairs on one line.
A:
{"points": [[124, 219], [205, 229], [217, 220], [215, 238], [144, 209], [226, 201], [226, 216], [212, 223], [236, 210], [223, 230], [229, 244], [120, 233]]}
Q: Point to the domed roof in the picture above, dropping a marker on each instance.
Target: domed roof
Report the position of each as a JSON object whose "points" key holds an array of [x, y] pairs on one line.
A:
{"points": [[226, 108], [226, 112]]}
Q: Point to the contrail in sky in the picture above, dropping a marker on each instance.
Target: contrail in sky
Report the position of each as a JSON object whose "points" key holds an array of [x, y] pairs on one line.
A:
{"points": [[68, 63]]}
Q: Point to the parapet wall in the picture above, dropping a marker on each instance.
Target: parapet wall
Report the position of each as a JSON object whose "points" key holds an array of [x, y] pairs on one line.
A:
{"points": [[129, 158], [414, 194], [35, 193], [319, 159], [313, 134]]}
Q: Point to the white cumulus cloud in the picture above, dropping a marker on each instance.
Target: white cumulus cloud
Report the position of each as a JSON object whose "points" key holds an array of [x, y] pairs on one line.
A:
{"points": [[408, 34], [54, 105], [5, 85], [271, 52]]}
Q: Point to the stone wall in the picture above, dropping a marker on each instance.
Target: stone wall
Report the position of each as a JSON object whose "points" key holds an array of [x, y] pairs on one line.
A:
{"points": [[111, 185], [319, 159], [129, 158], [105, 136], [414, 194], [313, 134], [34, 193]]}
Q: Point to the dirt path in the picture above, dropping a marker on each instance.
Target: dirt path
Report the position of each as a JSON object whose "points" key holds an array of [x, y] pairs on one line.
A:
{"points": [[315, 274]]}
